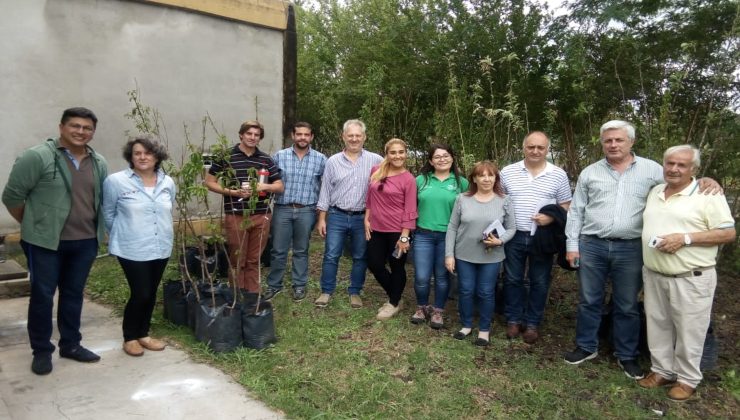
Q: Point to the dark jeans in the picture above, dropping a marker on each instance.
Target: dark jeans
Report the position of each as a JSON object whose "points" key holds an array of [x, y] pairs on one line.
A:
{"points": [[620, 261], [379, 250], [66, 269], [143, 279], [525, 306]]}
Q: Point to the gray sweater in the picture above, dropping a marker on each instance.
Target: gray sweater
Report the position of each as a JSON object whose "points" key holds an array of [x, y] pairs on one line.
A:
{"points": [[468, 221]]}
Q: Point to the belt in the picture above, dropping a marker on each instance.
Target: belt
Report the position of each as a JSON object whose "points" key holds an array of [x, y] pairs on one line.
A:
{"points": [[297, 205], [421, 229], [349, 212], [614, 239], [694, 272]]}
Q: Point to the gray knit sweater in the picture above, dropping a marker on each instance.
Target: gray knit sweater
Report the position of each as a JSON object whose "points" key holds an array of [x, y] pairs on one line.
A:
{"points": [[468, 221]]}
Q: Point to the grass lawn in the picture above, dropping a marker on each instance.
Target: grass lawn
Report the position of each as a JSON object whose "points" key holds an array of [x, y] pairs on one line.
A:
{"points": [[342, 363]]}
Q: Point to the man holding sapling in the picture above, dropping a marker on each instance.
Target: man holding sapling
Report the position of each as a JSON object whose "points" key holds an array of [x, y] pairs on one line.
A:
{"points": [[249, 177]]}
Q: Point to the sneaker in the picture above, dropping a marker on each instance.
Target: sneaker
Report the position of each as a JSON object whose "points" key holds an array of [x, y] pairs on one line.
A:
{"points": [[299, 293], [41, 364], [680, 392], [388, 311], [654, 380], [322, 300], [79, 354], [513, 330], [631, 368], [578, 356], [355, 301], [270, 293], [384, 307], [420, 316], [437, 320], [530, 335]]}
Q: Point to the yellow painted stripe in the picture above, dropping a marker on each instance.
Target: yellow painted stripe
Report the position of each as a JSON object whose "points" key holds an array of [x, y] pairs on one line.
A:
{"points": [[268, 13]]}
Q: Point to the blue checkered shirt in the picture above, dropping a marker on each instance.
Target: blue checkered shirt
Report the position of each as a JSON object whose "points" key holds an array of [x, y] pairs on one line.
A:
{"points": [[302, 177]]}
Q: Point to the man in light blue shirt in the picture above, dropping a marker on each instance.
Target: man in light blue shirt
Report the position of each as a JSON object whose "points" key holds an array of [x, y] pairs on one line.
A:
{"points": [[294, 215], [342, 211]]}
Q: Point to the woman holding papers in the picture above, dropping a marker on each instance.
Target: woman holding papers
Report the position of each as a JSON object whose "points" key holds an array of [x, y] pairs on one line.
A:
{"points": [[482, 221]]}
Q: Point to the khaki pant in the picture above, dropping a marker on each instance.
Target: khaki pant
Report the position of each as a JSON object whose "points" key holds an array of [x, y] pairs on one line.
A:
{"points": [[246, 244], [678, 312]]}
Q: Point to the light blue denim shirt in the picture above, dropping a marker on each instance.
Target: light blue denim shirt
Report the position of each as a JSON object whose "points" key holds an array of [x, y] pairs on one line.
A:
{"points": [[139, 224]]}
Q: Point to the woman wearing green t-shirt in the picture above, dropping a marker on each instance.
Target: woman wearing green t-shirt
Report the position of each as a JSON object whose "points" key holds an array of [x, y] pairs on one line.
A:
{"points": [[438, 185]]}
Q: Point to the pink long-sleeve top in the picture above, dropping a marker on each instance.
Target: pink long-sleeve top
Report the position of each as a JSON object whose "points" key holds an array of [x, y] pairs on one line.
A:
{"points": [[392, 203]]}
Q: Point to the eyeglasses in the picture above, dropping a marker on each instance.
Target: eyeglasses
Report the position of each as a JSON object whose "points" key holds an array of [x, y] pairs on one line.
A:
{"points": [[84, 128], [441, 157]]}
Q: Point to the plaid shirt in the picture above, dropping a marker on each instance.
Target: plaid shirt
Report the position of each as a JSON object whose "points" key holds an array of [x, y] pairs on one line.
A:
{"points": [[302, 177]]}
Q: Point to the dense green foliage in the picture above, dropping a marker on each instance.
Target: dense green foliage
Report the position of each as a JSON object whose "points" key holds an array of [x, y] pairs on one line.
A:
{"points": [[480, 74]]}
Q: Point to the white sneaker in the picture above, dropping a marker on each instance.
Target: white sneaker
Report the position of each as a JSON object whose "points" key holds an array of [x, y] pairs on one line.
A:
{"points": [[383, 308], [388, 311]]}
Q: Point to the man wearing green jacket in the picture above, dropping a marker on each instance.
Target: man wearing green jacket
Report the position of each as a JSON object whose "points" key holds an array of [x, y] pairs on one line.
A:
{"points": [[54, 192]]}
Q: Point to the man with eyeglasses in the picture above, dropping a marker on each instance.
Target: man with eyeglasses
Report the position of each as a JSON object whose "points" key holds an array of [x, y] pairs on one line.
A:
{"points": [[341, 208], [54, 191], [532, 184]]}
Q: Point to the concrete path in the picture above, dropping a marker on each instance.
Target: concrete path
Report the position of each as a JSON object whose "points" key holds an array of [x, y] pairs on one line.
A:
{"points": [[158, 385]]}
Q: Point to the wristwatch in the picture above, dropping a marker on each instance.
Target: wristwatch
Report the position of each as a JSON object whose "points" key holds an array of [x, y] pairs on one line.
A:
{"points": [[686, 239], [404, 239]]}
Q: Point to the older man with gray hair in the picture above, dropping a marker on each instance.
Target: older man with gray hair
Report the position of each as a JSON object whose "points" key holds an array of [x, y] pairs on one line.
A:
{"points": [[681, 234], [341, 209], [603, 232]]}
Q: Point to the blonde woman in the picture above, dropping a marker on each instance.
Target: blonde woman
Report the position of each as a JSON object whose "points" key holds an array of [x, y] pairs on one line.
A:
{"points": [[389, 219]]}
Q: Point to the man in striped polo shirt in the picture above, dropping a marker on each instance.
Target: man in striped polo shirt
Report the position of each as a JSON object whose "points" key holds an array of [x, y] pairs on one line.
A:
{"points": [[531, 183], [294, 217], [342, 211], [604, 229], [233, 180]]}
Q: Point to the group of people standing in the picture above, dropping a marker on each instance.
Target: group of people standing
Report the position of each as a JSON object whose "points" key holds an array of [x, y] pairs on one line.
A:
{"points": [[629, 220]]}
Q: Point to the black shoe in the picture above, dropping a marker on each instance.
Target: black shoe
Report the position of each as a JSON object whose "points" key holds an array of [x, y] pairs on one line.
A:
{"points": [[41, 364], [631, 368], [79, 354], [481, 342], [578, 356], [270, 293], [299, 293], [460, 335]]}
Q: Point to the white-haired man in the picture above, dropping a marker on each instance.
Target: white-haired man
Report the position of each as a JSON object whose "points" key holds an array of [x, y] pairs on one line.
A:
{"points": [[681, 234], [341, 208]]}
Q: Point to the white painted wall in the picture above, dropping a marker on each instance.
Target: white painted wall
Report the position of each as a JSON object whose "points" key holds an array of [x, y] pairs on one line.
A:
{"points": [[55, 54]]}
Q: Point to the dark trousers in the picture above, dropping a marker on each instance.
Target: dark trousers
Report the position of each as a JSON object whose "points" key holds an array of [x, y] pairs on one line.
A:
{"points": [[65, 269], [143, 279], [379, 250]]}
